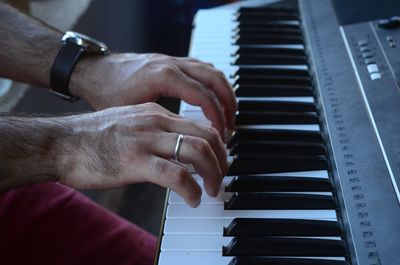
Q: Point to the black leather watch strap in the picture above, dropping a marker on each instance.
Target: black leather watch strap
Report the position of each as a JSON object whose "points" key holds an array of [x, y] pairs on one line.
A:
{"points": [[63, 66]]}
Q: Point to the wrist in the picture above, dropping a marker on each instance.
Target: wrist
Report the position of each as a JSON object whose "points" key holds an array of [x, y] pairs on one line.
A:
{"points": [[29, 148], [83, 78]]}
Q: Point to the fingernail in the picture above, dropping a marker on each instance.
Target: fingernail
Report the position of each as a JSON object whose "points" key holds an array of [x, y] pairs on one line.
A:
{"points": [[195, 205]]}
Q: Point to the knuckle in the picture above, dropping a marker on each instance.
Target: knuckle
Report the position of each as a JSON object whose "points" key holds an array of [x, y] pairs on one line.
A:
{"points": [[167, 71], [156, 118], [179, 176], [214, 135], [160, 166], [201, 146], [153, 106]]}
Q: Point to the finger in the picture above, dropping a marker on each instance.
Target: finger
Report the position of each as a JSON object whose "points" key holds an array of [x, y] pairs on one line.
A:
{"points": [[216, 81], [154, 107], [176, 177], [177, 84], [188, 127], [194, 60], [194, 151]]}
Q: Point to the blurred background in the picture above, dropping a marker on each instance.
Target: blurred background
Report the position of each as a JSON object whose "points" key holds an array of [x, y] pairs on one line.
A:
{"points": [[162, 26]]}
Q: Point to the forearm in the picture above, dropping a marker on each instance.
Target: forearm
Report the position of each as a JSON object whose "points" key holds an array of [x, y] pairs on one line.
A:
{"points": [[27, 47], [28, 150]]}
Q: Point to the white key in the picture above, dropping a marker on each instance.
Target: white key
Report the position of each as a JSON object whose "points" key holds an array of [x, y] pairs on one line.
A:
{"points": [[193, 258], [190, 242], [194, 242], [312, 174], [212, 226], [288, 99], [217, 211], [196, 226], [301, 127], [210, 258]]}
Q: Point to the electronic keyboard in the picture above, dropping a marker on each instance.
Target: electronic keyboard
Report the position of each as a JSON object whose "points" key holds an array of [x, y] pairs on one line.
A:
{"points": [[315, 156]]}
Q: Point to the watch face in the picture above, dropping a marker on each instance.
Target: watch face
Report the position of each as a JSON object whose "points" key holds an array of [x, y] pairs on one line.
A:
{"points": [[91, 45]]}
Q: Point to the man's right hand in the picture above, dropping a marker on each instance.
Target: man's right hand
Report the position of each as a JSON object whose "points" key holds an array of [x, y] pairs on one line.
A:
{"points": [[132, 144]]}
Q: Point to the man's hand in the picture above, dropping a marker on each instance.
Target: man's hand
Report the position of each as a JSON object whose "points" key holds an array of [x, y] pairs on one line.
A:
{"points": [[126, 79], [132, 144]]}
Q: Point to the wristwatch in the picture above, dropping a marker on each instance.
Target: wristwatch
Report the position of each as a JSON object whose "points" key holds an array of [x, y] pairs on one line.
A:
{"points": [[74, 46]]}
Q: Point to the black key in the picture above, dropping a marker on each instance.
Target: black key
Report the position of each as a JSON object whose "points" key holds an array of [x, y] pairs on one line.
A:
{"points": [[277, 148], [284, 25], [284, 261], [267, 16], [251, 90], [286, 106], [263, 164], [250, 183], [277, 59], [274, 246], [265, 71], [268, 39], [278, 201], [269, 117], [250, 10], [254, 50], [267, 30], [273, 80], [275, 135], [269, 23], [282, 227]]}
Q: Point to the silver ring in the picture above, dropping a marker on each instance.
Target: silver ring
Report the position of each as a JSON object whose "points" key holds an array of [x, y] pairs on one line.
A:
{"points": [[178, 146]]}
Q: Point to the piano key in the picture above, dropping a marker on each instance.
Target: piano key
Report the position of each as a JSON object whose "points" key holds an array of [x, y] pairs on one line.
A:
{"points": [[290, 70], [282, 201], [285, 261], [209, 211], [266, 16], [254, 183], [271, 117], [291, 49], [193, 258], [269, 59], [273, 80], [222, 196], [251, 105], [267, 29], [282, 227], [215, 225], [300, 127], [271, 246], [193, 242], [267, 39], [270, 9], [216, 258], [301, 174], [277, 147], [198, 242], [272, 90], [275, 135], [258, 164], [282, 99], [258, 23]]}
